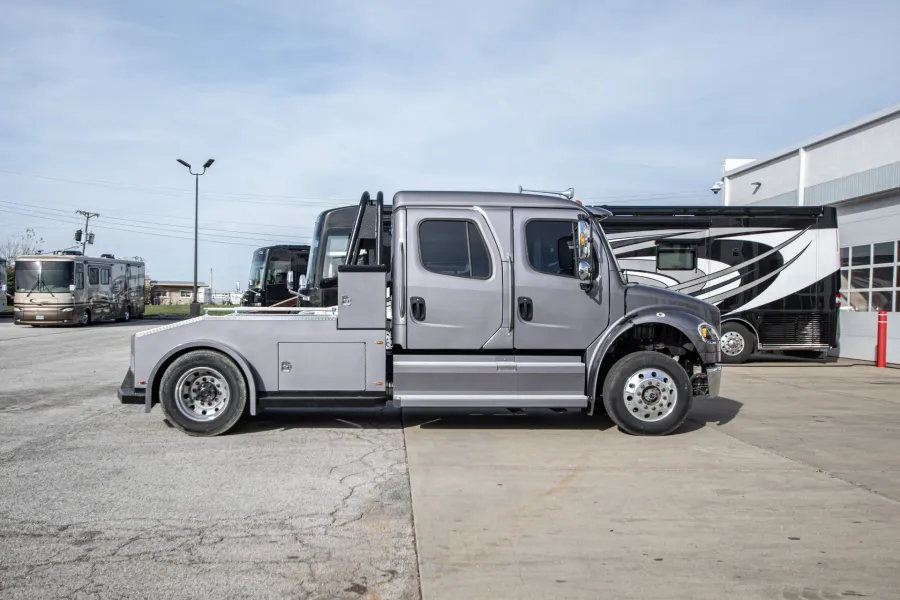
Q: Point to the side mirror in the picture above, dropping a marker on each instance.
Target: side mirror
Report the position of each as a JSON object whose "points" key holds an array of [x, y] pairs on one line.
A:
{"points": [[584, 240], [71, 287], [302, 282], [583, 252], [290, 280]]}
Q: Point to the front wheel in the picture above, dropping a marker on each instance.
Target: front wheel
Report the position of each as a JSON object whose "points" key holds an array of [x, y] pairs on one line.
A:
{"points": [[647, 393], [203, 393]]}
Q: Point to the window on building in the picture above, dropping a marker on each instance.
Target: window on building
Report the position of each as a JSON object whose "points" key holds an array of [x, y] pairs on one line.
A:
{"points": [[676, 257], [884, 253], [875, 287], [94, 275], [187, 293], [453, 247], [550, 246], [861, 255]]}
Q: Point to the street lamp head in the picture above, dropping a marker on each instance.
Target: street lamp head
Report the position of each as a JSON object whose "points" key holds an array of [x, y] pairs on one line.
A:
{"points": [[209, 163], [184, 163]]}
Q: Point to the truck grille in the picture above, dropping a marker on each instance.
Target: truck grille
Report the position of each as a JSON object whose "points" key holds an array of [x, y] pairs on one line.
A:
{"points": [[786, 329]]}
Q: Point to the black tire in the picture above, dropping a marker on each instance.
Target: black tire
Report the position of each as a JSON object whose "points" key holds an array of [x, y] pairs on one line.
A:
{"points": [[232, 382], [632, 413], [733, 332]]}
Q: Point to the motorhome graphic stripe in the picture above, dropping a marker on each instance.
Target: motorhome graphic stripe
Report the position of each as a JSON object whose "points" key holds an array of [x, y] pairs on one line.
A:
{"points": [[738, 267], [756, 282]]}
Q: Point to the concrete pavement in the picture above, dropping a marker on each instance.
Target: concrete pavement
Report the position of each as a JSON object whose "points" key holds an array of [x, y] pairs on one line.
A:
{"points": [[100, 500], [785, 488], [778, 490]]}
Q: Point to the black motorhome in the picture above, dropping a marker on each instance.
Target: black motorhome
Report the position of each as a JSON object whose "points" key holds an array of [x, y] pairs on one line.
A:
{"points": [[268, 281], [331, 235], [774, 272]]}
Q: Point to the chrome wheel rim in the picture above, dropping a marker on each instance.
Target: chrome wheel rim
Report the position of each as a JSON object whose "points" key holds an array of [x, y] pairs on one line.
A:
{"points": [[201, 394], [85, 318], [127, 315], [650, 395], [732, 343]]}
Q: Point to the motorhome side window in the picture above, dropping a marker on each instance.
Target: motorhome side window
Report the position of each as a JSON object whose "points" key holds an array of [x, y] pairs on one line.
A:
{"points": [[94, 275], [676, 257], [79, 276], [104, 276], [453, 247], [550, 246]]}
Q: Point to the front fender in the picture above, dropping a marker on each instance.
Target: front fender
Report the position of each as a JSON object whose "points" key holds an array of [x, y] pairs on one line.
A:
{"points": [[685, 321], [197, 345]]}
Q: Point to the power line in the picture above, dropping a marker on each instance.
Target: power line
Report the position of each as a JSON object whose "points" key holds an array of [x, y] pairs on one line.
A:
{"points": [[166, 227], [137, 231]]}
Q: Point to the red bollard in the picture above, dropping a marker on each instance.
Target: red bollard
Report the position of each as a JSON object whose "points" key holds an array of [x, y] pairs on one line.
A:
{"points": [[881, 347]]}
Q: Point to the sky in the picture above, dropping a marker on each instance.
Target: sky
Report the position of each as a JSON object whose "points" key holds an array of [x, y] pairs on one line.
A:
{"points": [[304, 105]]}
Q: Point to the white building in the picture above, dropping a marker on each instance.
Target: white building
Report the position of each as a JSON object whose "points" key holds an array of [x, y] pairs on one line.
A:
{"points": [[857, 169]]}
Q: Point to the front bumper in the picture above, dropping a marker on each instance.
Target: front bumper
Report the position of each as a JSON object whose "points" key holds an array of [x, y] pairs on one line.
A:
{"points": [[127, 393], [39, 315], [714, 379]]}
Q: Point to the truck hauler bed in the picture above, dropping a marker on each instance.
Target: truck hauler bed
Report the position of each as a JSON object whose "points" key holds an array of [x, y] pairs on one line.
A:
{"points": [[495, 301]]}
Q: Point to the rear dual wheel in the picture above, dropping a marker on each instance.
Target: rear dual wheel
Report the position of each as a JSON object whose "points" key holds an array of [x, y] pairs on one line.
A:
{"points": [[203, 393], [647, 393]]}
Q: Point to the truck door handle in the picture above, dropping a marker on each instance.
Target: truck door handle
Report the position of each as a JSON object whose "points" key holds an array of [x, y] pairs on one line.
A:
{"points": [[417, 308], [526, 308]]}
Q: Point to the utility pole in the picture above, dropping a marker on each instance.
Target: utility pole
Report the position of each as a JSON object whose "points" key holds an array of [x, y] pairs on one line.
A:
{"points": [[87, 219]]}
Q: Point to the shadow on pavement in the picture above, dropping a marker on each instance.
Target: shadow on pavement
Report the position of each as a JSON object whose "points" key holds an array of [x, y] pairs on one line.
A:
{"points": [[718, 411]]}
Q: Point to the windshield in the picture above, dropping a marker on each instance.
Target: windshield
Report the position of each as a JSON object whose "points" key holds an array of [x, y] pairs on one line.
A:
{"points": [[612, 255], [257, 268], [44, 276], [278, 265], [325, 255]]}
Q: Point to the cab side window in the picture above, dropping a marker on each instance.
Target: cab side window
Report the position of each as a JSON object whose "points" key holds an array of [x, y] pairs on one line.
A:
{"points": [[454, 247], [104, 276], [550, 246], [79, 276], [94, 275]]}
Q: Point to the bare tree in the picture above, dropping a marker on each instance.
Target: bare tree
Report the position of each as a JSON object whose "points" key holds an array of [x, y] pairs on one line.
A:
{"points": [[20, 244]]}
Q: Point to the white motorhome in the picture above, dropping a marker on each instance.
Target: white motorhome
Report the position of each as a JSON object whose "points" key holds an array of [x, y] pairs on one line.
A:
{"points": [[55, 289]]}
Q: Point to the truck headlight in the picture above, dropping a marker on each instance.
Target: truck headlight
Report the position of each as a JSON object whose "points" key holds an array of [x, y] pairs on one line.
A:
{"points": [[708, 333]]}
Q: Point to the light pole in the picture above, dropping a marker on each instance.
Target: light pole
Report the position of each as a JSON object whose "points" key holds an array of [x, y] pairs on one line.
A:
{"points": [[195, 306]]}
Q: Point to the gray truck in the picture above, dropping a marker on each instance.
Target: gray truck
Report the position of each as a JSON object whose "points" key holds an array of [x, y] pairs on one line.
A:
{"points": [[477, 300]]}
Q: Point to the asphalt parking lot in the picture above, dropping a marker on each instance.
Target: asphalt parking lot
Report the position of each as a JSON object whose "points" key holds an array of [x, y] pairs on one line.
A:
{"points": [[786, 487]]}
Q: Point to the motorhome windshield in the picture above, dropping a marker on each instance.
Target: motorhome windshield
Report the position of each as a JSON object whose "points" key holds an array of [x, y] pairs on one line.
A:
{"points": [[257, 269], [44, 276], [328, 251]]}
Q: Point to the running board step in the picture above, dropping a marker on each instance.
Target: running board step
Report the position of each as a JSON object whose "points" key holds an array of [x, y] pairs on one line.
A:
{"points": [[513, 401]]}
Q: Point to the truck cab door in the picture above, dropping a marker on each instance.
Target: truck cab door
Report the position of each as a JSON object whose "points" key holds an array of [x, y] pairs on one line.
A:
{"points": [[453, 288], [552, 311]]}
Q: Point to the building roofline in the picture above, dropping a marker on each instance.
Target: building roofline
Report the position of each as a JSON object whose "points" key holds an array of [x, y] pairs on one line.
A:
{"points": [[819, 139]]}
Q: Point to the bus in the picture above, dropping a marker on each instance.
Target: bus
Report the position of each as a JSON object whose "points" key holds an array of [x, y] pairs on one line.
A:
{"points": [[773, 271], [269, 268], [59, 289]]}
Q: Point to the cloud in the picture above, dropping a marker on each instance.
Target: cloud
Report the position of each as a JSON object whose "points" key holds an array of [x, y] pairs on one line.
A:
{"points": [[323, 100]]}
